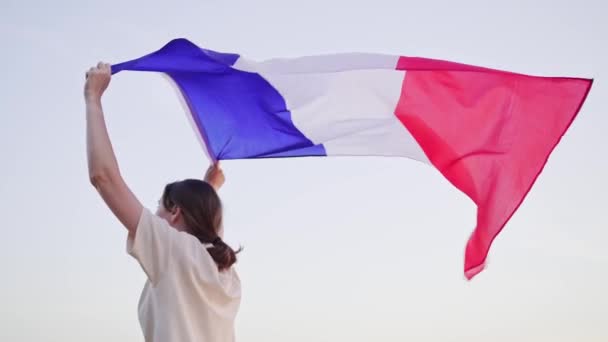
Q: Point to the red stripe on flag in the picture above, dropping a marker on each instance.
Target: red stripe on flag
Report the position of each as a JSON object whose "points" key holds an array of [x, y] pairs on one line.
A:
{"points": [[488, 132]]}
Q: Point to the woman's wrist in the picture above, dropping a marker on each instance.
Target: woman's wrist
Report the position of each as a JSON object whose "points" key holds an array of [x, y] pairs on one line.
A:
{"points": [[92, 99]]}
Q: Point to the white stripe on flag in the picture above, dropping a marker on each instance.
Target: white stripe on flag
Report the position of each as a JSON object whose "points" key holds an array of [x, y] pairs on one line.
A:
{"points": [[350, 112]]}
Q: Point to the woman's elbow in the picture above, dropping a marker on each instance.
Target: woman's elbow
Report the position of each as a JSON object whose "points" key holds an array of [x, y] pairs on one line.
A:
{"points": [[101, 178]]}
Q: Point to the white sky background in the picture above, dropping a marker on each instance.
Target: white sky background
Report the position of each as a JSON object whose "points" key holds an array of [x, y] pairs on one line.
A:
{"points": [[336, 249]]}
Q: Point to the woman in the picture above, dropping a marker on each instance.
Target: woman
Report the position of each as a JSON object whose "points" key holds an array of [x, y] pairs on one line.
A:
{"points": [[192, 292]]}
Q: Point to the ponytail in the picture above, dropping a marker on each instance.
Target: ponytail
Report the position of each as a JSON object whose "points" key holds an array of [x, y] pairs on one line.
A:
{"points": [[223, 255]]}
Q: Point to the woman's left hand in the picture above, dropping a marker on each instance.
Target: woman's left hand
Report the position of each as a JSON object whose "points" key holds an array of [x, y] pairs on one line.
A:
{"points": [[98, 79]]}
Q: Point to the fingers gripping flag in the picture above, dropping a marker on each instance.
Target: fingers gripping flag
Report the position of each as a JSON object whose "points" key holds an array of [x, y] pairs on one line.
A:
{"points": [[489, 132]]}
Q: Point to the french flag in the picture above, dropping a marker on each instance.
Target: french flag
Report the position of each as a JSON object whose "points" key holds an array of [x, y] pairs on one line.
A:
{"points": [[489, 132]]}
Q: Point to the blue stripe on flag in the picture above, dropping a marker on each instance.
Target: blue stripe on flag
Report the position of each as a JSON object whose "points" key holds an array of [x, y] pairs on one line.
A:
{"points": [[239, 114]]}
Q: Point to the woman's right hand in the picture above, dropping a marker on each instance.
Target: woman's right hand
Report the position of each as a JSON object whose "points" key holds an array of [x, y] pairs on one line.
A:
{"points": [[215, 176]]}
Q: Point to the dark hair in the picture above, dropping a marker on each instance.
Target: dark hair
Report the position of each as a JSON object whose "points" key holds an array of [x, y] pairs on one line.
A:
{"points": [[201, 210]]}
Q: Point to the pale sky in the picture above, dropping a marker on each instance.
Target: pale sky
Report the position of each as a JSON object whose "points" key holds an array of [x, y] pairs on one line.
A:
{"points": [[336, 249]]}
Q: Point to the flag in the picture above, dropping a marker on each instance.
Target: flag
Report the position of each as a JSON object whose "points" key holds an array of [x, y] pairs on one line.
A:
{"points": [[489, 132]]}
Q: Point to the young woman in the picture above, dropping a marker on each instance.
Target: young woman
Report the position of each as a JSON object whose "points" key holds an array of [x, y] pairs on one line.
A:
{"points": [[192, 292]]}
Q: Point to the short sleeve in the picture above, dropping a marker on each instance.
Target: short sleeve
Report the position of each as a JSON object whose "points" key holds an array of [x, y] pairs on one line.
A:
{"points": [[152, 245]]}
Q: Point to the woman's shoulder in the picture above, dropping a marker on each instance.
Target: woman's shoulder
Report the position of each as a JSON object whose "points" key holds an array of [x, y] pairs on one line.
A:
{"points": [[230, 282]]}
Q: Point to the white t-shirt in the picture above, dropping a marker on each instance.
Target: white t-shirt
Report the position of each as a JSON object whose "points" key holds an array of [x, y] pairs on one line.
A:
{"points": [[185, 297]]}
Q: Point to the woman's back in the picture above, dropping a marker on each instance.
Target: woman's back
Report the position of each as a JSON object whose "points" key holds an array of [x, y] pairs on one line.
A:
{"points": [[186, 297]]}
